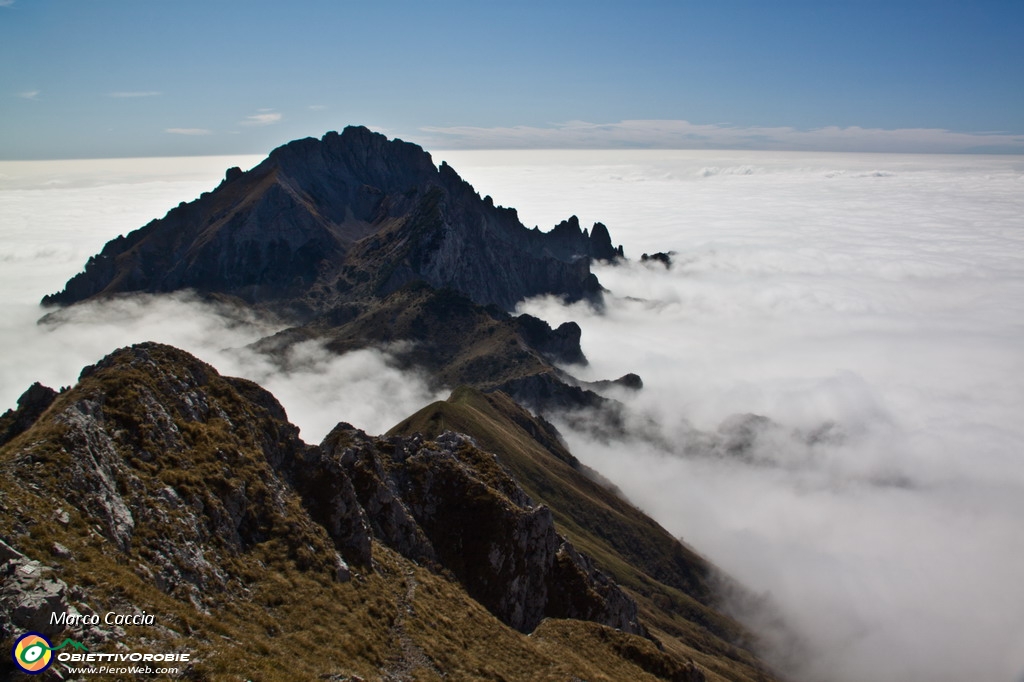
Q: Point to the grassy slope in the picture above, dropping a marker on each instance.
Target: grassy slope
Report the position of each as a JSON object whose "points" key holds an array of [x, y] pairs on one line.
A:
{"points": [[458, 341], [672, 584], [281, 615]]}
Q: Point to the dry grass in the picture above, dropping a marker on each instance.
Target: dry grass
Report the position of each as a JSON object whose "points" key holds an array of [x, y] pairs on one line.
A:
{"points": [[279, 613], [672, 585]]}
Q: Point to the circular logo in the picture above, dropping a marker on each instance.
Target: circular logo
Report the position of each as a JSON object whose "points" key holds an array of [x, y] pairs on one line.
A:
{"points": [[32, 653]]}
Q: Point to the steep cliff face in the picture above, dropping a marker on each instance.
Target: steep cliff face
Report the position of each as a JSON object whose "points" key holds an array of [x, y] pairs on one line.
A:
{"points": [[445, 501], [675, 588], [157, 484], [350, 216]]}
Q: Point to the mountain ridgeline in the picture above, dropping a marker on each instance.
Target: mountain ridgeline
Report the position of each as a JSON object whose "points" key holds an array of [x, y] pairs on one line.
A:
{"points": [[361, 241], [466, 543], [343, 218]]}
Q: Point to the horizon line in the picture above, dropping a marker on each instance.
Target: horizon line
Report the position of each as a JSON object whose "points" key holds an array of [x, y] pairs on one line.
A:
{"points": [[438, 150]]}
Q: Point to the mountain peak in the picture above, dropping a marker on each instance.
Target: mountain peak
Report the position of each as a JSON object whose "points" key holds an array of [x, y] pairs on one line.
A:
{"points": [[350, 216]]}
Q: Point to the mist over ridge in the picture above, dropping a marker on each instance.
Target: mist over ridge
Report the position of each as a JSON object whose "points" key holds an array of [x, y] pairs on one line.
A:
{"points": [[881, 294]]}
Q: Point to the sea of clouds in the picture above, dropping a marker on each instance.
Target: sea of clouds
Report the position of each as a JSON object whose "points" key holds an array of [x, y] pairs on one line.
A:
{"points": [[870, 306]]}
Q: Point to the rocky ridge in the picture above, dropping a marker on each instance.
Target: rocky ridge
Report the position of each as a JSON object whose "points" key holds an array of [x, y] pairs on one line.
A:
{"points": [[191, 492], [346, 218], [344, 236]]}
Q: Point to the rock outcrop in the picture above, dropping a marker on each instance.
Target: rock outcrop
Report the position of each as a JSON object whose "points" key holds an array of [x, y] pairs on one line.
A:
{"points": [[350, 216], [446, 502], [31, 406], [154, 439], [28, 594], [456, 342], [659, 257]]}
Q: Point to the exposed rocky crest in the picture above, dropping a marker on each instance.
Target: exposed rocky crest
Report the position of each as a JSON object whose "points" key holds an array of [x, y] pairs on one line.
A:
{"points": [[456, 342], [350, 216], [361, 241], [192, 493], [448, 503]]}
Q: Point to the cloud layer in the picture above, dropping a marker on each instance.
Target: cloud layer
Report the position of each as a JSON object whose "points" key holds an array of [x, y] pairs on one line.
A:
{"points": [[680, 134], [871, 306]]}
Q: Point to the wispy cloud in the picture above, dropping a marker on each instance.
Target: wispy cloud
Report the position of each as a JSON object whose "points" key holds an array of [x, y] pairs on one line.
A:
{"points": [[135, 93], [189, 131], [262, 119], [680, 134], [6, 3], [28, 94], [317, 107]]}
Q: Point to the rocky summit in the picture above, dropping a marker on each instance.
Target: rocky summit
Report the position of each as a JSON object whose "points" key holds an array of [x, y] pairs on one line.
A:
{"points": [[344, 236], [345, 218], [359, 241]]}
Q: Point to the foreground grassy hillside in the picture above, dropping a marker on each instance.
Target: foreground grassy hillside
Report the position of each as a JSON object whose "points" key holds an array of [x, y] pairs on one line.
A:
{"points": [[157, 485]]}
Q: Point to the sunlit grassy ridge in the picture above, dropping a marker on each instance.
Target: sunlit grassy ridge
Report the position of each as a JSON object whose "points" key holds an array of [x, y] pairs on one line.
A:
{"points": [[222, 552]]}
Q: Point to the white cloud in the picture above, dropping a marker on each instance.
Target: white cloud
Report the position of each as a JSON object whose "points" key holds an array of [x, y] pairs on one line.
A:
{"points": [[317, 107], [188, 131], [881, 293], [680, 134], [262, 119], [135, 94], [29, 94], [6, 3], [318, 388]]}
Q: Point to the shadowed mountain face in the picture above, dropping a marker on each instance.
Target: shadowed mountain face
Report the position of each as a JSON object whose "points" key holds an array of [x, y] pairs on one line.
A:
{"points": [[456, 342], [362, 241], [345, 218]]}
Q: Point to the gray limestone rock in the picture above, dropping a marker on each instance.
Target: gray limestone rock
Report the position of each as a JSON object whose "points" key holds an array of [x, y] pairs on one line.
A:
{"points": [[29, 594], [447, 501]]}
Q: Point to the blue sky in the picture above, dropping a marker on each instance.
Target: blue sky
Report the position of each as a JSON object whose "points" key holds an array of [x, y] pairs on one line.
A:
{"points": [[130, 78]]}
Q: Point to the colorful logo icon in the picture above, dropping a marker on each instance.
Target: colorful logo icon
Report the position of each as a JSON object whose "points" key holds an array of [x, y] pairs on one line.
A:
{"points": [[32, 653]]}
